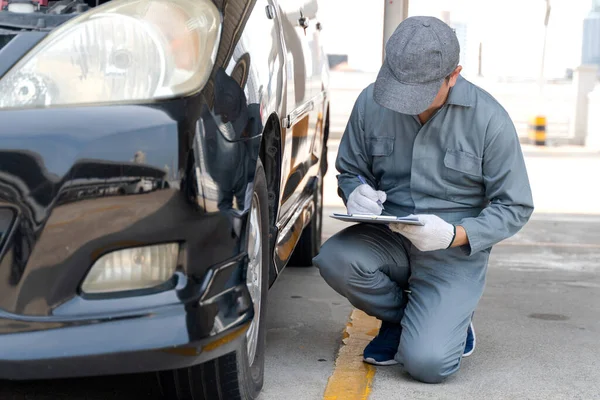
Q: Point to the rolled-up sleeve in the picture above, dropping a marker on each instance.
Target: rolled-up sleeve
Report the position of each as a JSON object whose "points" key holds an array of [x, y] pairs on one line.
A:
{"points": [[507, 187], [352, 158]]}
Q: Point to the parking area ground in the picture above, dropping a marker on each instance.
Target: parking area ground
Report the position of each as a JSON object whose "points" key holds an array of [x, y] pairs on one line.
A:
{"points": [[537, 327]]}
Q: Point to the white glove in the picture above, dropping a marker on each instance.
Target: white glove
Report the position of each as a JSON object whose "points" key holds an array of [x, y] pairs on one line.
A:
{"points": [[435, 234], [363, 200]]}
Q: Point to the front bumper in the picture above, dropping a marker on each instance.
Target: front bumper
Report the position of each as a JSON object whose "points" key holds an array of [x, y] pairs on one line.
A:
{"points": [[77, 185], [148, 339]]}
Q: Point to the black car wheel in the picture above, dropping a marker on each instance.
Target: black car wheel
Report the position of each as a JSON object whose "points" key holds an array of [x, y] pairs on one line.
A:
{"points": [[237, 375]]}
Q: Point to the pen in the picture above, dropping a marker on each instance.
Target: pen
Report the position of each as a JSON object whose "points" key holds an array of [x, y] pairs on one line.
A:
{"points": [[362, 180]]}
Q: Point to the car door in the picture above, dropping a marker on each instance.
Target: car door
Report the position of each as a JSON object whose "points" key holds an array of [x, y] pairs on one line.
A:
{"points": [[300, 121]]}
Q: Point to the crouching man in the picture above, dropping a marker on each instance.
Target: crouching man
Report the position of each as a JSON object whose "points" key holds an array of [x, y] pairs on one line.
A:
{"points": [[428, 143]]}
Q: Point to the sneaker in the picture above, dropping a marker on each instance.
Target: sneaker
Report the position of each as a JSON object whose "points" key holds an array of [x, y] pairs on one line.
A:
{"points": [[471, 340], [383, 348]]}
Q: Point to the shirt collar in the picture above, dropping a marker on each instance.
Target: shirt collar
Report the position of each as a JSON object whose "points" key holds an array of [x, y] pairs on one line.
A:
{"points": [[461, 93]]}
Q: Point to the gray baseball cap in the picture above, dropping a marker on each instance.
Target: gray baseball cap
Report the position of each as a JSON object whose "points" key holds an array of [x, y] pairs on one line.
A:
{"points": [[419, 55]]}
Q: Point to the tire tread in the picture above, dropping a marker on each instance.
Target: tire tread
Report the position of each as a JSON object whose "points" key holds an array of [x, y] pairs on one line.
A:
{"points": [[229, 377]]}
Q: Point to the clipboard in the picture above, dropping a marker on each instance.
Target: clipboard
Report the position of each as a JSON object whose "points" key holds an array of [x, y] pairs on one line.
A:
{"points": [[377, 219]]}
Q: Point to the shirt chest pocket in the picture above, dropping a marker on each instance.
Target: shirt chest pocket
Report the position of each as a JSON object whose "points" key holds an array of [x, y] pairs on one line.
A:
{"points": [[381, 146], [463, 177], [381, 150]]}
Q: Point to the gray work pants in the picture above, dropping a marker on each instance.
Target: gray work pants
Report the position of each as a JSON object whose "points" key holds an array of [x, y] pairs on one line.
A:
{"points": [[432, 294]]}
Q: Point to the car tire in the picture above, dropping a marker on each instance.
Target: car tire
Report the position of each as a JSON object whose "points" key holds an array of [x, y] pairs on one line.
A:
{"points": [[235, 376]]}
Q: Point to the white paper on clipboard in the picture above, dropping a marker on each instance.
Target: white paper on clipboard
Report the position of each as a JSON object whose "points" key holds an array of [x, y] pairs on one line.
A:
{"points": [[377, 219]]}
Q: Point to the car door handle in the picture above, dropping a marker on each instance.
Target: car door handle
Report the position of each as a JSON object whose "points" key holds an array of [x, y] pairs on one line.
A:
{"points": [[297, 114]]}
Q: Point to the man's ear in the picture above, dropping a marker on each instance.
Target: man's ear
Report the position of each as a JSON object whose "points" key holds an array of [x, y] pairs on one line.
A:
{"points": [[454, 76]]}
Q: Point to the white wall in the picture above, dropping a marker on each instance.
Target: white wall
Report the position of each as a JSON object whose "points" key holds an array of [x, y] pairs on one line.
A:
{"points": [[355, 28]]}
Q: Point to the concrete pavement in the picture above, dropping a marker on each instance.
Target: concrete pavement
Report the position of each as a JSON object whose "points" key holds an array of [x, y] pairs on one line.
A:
{"points": [[305, 323], [537, 325]]}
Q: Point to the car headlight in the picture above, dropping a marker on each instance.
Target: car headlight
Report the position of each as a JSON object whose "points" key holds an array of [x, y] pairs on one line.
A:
{"points": [[132, 269], [122, 51]]}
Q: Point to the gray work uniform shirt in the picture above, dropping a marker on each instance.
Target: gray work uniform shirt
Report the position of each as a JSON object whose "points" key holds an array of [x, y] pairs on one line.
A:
{"points": [[464, 165]]}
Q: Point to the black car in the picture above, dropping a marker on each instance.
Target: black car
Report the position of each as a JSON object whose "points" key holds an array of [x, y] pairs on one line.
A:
{"points": [[161, 161]]}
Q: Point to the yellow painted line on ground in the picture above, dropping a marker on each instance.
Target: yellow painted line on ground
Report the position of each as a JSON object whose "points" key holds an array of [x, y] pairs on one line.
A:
{"points": [[352, 379]]}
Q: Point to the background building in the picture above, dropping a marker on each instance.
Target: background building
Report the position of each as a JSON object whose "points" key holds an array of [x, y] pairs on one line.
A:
{"points": [[590, 53]]}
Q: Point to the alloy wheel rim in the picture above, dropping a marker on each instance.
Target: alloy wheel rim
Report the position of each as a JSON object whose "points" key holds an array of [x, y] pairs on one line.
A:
{"points": [[254, 275]]}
